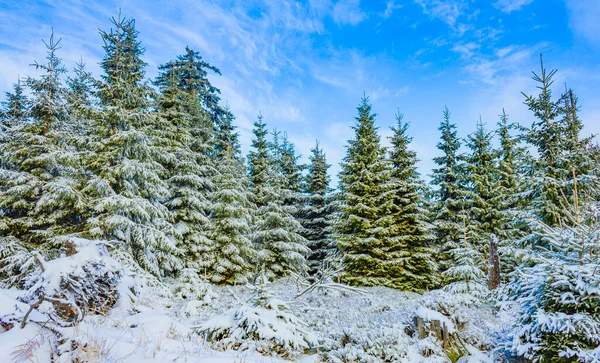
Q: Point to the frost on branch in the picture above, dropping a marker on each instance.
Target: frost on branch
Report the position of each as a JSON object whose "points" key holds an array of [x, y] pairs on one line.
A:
{"points": [[558, 299], [266, 326], [84, 279]]}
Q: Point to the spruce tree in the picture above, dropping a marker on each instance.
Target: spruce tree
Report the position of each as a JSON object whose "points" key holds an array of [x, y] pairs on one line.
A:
{"points": [[40, 181], [449, 195], [259, 162], [185, 142], [365, 225], [412, 230], [128, 188], [546, 135], [80, 93], [484, 194], [317, 211], [510, 183], [226, 136], [280, 247], [14, 108], [231, 217], [483, 200]]}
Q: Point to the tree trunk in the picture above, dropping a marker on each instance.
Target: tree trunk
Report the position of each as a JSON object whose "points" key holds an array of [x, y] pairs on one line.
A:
{"points": [[494, 264]]}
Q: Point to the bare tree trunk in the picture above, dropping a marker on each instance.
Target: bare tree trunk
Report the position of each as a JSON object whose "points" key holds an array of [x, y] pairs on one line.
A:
{"points": [[494, 264]]}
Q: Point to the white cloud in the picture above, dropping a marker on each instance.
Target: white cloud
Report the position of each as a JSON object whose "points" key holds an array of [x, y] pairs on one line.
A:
{"points": [[583, 19], [390, 6], [466, 50], [493, 69], [348, 12], [508, 6], [446, 10]]}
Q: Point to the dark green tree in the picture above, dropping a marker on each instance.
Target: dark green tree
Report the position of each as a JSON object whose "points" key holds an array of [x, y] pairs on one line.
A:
{"points": [[317, 211], [412, 230], [40, 195], [276, 236], [365, 224], [15, 108], [129, 189], [231, 217], [259, 162], [450, 194], [184, 138]]}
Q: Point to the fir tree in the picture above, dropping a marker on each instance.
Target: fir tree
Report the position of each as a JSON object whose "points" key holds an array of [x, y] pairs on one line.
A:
{"points": [[483, 200], [546, 135], [450, 195], [557, 300], [231, 217], [128, 189], [484, 193], [317, 210], [227, 136], [259, 162], [40, 183], [188, 73], [364, 227], [15, 108], [280, 247], [510, 183], [185, 141], [412, 229], [80, 91], [291, 169]]}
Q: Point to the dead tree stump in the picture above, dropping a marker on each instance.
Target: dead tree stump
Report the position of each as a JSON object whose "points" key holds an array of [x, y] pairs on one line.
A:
{"points": [[438, 328]]}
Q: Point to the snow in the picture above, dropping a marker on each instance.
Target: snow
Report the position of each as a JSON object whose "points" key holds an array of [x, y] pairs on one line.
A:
{"points": [[429, 315], [339, 325]]}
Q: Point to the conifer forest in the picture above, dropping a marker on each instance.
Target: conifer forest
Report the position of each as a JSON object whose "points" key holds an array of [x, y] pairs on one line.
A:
{"points": [[134, 228]]}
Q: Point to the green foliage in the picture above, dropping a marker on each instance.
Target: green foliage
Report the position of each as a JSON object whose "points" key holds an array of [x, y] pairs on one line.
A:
{"points": [[364, 229], [276, 235], [15, 108], [231, 218], [411, 227], [40, 179], [450, 210], [128, 188], [317, 211]]}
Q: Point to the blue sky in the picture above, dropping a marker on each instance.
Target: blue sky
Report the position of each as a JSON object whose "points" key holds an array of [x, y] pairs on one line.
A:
{"points": [[305, 65]]}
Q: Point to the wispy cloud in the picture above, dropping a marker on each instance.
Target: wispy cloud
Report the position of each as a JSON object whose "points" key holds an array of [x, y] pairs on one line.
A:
{"points": [[390, 7], [447, 11], [304, 65], [583, 19], [348, 12], [508, 6]]}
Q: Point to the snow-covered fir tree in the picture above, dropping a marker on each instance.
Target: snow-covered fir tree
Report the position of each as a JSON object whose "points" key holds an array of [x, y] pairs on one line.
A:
{"points": [[280, 247], [14, 108], [483, 189], [558, 298], [186, 142], [40, 180], [231, 217], [448, 183], [483, 221], [510, 183], [547, 175], [226, 137], [259, 162], [80, 93], [365, 230], [412, 230], [317, 211], [128, 188]]}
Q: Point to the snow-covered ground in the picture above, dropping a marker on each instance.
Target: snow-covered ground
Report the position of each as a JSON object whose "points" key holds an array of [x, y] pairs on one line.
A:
{"points": [[373, 325]]}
